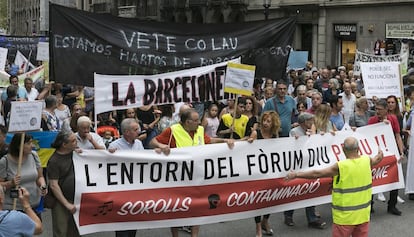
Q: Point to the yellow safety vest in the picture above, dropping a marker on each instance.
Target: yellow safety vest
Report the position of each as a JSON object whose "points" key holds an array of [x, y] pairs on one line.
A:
{"points": [[240, 124], [351, 194], [183, 139]]}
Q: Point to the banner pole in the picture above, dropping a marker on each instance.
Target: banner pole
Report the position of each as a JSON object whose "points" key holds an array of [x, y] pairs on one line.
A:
{"points": [[234, 116], [19, 165]]}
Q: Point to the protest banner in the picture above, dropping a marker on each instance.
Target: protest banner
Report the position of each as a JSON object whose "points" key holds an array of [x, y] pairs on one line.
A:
{"points": [[106, 44], [364, 57], [24, 44], [25, 116], [212, 183], [239, 79], [3, 58], [381, 79], [114, 92]]}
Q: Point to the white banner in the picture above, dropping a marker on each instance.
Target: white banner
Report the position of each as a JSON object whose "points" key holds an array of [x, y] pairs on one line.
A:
{"points": [[381, 79], [3, 58], [211, 183], [115, 92], [364, 57]]}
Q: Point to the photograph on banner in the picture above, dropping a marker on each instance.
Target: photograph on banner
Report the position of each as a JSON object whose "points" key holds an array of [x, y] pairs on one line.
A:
{"points": [[42, 51], [144, 189], [361, 57], [239, 79], [381, 79], [3, 58], [25, 116], [115, 92]]}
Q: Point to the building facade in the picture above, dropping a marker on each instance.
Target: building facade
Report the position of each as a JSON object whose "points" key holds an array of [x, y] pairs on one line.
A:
{"points": [[330, 30]]}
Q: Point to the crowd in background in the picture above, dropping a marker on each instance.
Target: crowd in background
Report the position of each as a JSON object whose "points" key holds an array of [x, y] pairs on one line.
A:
{"points": [[309, 101]]}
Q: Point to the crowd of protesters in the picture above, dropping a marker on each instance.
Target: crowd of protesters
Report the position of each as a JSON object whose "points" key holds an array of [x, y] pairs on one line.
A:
{"points": [[308, 101]]}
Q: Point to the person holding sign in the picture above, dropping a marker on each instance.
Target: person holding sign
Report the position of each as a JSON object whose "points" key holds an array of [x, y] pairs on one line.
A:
{"points": [[352, 188], [382, 115], [234, 127], [187, 132], [30, 177]]}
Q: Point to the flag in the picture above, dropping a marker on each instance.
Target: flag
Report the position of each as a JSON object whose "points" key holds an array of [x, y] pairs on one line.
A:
{"points": [[22, 62], [42, 144]]}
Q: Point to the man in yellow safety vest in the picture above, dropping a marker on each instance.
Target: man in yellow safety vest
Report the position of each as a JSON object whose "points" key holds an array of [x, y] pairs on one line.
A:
{"points": [[351, 193]]}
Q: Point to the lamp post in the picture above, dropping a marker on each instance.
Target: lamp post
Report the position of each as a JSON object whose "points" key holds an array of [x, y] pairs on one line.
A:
{"points": [[266, 5]]}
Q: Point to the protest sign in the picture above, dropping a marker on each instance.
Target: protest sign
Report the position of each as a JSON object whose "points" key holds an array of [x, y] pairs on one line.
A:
{"points": [[113, 92], [297, 60], [106, 44], [3, 58], [25, 116], [364, 57], [212, 183], [42, 51], [239, 79], [381, 79]]}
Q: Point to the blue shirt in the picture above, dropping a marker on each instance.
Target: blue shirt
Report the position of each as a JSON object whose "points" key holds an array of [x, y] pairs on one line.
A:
{"points": [[21, 93], [285, 110], [122, 144], [338, 120], [15, 223]]}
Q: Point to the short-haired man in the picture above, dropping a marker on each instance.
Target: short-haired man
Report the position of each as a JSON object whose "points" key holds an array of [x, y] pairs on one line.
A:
{"points": [[316, 102], [130, 130], [16, 223], [284, 105], [383, 116], [32, 93], [231, 127], [349, 100], [21, 92], [351, 192], [337, 117], [187, 132]]}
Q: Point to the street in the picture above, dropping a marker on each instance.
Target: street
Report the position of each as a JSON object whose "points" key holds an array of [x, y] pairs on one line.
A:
{"points": [[382, 224]]}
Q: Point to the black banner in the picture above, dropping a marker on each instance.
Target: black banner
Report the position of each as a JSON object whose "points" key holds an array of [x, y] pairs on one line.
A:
{"points": [[83, 43], [27, 45]]}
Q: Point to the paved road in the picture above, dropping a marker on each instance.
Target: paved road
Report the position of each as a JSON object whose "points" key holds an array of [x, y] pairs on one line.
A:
{"points": [[382, 224]]}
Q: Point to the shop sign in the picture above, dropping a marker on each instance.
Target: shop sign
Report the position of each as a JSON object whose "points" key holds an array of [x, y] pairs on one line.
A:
{"points": [[345, 31], [399, 30]]}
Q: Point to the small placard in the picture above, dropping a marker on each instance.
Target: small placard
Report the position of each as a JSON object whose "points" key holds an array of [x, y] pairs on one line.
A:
{"points": [[25, 116]]}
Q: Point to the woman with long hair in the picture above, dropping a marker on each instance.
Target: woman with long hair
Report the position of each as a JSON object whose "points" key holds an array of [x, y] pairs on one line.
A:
{"points": [[31, 173], [322, 122], [269, 126], [61, 176]]}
